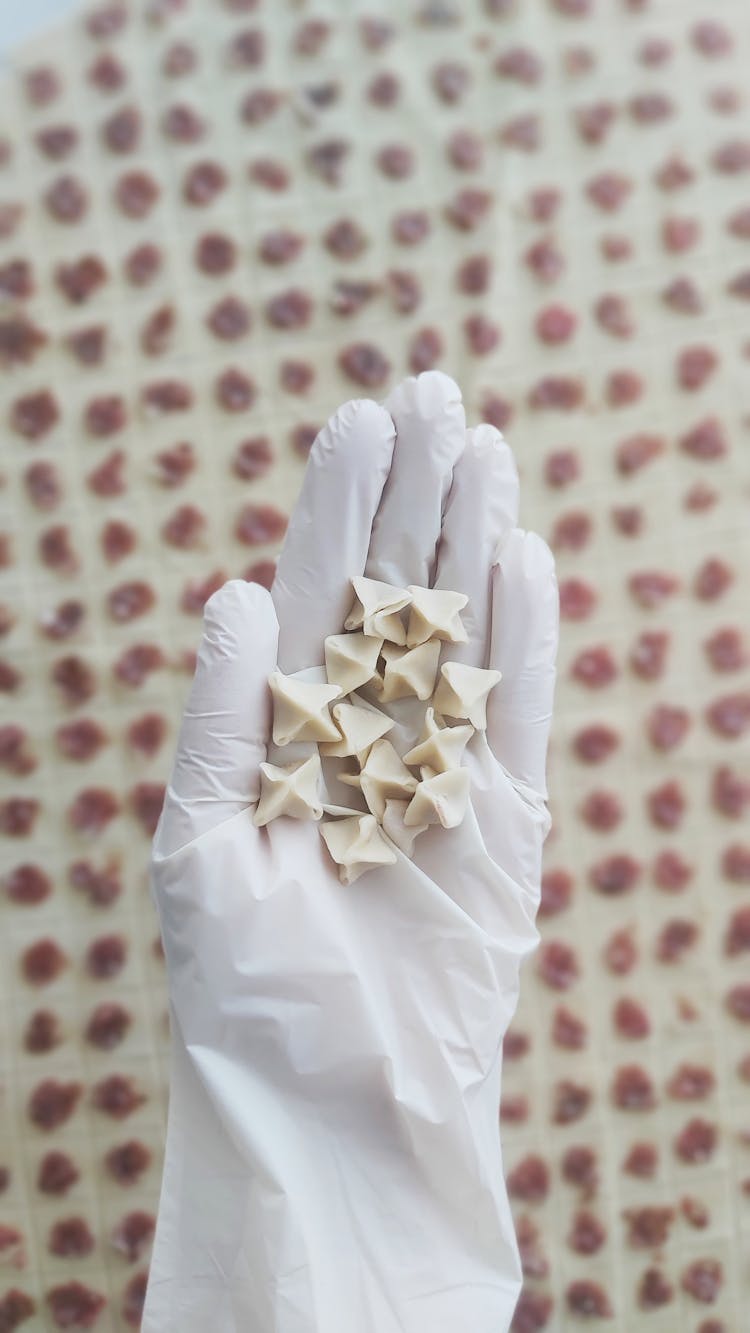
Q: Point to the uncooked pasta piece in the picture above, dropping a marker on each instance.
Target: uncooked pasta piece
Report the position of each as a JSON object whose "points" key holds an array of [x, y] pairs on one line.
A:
{"points": [[407, 671], [291, 789], [356, 844], [440, 747], [440, 798], [376, 609], [398, 831], [351, 659], [300, 710], [360, 725], [434, 613], [462, 692], [383, 774]]}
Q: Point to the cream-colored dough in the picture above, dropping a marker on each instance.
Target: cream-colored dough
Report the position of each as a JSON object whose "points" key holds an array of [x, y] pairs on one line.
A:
{"points": [[462, 692], [360, 726], [300, 710], [439, 746], [351, 659], [356, 844], [355, 727], [434, 614], [291, 789], [399, 832], [440, 798], [407, 671], [376, 609], [383, 774]]}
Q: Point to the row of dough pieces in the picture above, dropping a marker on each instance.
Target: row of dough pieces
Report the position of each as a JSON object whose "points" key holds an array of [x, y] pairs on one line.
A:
{"points": [[399, 802]]}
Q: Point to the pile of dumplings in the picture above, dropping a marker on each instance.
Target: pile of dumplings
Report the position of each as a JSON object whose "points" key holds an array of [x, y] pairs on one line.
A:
{"points": [[389, 651]]}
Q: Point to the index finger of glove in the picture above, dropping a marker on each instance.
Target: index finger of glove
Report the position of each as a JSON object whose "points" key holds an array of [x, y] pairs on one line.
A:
{"points": [[329, 531]]}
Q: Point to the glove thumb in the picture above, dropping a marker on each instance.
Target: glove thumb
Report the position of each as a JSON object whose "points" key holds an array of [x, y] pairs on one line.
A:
{"points": [[227, 719]]}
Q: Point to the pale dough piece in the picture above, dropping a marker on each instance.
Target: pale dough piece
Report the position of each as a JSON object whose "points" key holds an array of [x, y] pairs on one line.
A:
{"points": [[300, 710], [440, 798], [292, 789], [383, 774], [462, 692], [393, 824], [356, 845], [439, 746], [351, 659], [407, 671], [376, 609], [434, 614], [360, 726]]}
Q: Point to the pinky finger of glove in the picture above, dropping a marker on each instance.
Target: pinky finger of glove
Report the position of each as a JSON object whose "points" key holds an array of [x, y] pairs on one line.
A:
{"points": [[523, 646], [227, 718]]}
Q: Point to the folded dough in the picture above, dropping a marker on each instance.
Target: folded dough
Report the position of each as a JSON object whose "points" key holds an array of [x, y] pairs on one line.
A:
{"points": [[388, 659], [434, 614], [289, 789], [356, 844], [393, 824], [300, 709], [439, 747], [462, 692], [407, 671], [383, 774], [376, 609], [351, 659], [360, 726], [440, 798]]}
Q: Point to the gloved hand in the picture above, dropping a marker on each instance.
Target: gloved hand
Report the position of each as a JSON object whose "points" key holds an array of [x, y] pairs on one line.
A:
{"points": [[333, 1159]]}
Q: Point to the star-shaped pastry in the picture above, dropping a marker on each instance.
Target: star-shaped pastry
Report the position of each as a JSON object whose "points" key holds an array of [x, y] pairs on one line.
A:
{"points": [[439, 747], [399, 832], [434, 614], [300, 710], [376, 609], [383, 774], [440, 798], [351, 659], [407, 671], [462, 692], [289, 789], [360, 726], [356, 844]]}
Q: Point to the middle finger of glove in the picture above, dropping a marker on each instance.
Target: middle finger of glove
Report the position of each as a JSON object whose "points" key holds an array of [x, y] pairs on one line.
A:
{"points": [[430, 433]]}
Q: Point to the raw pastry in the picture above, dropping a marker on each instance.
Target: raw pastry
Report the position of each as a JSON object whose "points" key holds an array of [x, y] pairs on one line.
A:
{"points": [[356, 845], [407, 671], [434, 614], [292, 789], [383, 774], [440, 798], [402, 834], [351, 659], [439, 746], [300, 710], [360, 725], [462, 692], [397, 800], [376, 609]]}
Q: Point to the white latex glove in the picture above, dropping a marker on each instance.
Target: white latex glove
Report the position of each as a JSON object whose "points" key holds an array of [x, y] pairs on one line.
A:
{"points": [[333, 1159]]}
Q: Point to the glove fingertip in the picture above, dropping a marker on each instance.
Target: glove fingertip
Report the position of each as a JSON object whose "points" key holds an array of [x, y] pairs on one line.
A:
{"points": [[239, 600]]}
